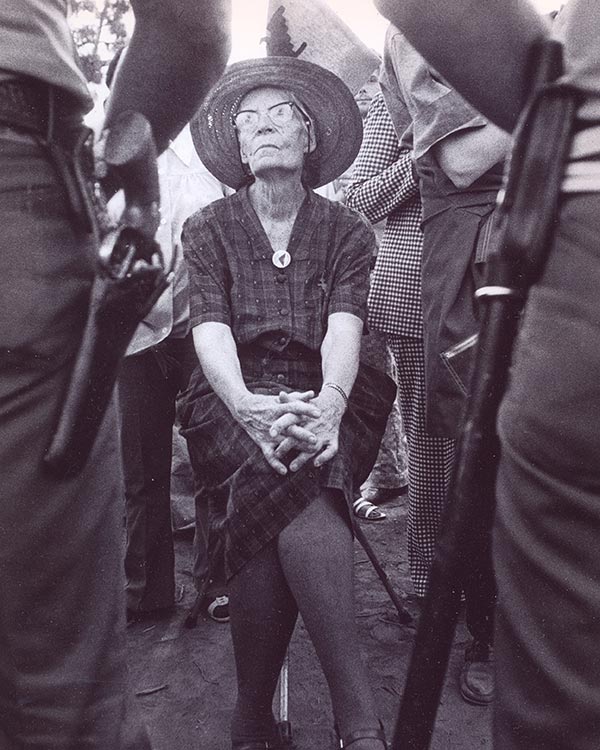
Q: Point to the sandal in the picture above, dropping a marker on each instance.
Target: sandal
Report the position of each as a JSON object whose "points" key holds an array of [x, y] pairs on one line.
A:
{"points": [[366, 510]]}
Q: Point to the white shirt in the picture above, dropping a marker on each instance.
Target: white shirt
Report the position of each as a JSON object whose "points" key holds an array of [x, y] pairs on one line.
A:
{"points": [[185, 186]]}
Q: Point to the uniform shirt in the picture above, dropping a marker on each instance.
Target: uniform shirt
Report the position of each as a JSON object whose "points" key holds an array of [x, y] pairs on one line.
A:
{"points": [[233, 280], [35, 41], [578, 28], [384, 186], [423, 108]]}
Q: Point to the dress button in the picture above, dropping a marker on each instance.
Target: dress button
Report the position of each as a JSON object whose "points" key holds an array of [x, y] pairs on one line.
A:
{"points": [[280, 278], [280, 377], [283, 311], [283, 341]]}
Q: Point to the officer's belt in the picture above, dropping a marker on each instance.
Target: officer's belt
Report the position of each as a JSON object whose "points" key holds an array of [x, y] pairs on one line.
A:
{"points": [[35, 106]]}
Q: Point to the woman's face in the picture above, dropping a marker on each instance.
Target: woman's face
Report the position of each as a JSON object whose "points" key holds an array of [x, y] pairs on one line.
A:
{"points": [[272, 132]]}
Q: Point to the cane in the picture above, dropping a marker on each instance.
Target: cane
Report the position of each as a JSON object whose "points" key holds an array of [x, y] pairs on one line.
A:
{"points": [[541, 147], [403, 614], [191, 619]]}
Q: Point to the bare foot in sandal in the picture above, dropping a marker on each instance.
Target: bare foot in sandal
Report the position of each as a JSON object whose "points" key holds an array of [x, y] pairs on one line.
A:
{"points": [[366, 511]]}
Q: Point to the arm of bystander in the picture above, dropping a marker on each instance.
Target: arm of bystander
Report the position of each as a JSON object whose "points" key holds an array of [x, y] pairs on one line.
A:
{"points": [[383, 178]]}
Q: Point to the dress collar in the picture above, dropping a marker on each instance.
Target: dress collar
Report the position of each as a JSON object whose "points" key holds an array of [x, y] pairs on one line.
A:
{"points": [[310, 214]]}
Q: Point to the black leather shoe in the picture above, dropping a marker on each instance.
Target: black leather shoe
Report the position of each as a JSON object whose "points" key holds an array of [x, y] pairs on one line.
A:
{"points": [[147, 615], [363, 734], [477, 675]]}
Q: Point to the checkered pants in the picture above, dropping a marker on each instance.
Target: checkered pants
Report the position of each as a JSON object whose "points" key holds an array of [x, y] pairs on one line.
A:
{"points": [[430, 460]]}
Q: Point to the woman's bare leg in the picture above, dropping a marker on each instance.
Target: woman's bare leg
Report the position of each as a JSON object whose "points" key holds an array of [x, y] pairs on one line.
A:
{"points": [[262, 617], [317, 556]]}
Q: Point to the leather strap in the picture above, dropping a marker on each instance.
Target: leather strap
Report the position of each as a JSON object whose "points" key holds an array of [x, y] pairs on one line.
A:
{"points": [[35, 106]]}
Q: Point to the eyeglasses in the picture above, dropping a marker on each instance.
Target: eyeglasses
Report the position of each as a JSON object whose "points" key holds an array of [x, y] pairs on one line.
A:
{"points": [[279, 114]]}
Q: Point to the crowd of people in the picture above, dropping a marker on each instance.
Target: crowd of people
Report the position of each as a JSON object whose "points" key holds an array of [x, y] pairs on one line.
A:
{"points": [[299, 213]]}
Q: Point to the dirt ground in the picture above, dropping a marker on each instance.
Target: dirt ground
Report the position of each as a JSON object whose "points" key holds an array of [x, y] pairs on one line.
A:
{"points": [[185, 683]]}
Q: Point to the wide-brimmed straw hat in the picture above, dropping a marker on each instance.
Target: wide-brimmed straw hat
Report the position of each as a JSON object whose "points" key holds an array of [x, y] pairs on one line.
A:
{"points": [[328, 101]]}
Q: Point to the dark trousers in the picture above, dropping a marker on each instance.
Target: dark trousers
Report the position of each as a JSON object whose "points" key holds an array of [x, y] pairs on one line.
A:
{"points": [[208, 561], [63, 679], [479, 588], [148, 386], [546, 549]]}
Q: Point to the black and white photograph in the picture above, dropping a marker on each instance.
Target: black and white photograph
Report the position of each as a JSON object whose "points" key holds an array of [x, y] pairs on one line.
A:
{"points": [[299, 394]]}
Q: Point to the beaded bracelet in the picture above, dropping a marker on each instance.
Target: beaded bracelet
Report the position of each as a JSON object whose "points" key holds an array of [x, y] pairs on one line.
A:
{"points": [[339, 389]]}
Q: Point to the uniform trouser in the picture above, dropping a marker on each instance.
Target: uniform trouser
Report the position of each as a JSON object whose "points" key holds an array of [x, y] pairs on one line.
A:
{"points": [[187, 490], [208, 569], [430, 463], [546, 549], [148, 386], [62, 658], [149, 383]]}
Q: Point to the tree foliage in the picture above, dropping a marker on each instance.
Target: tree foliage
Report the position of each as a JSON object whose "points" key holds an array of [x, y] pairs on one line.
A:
{"points": [[99, 31]]}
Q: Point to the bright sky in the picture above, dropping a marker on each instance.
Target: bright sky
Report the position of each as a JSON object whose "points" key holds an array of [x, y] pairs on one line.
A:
{"points": [[249, 20]]}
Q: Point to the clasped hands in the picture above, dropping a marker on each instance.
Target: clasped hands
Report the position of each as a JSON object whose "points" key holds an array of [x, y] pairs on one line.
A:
{"points": [[297, 423]]}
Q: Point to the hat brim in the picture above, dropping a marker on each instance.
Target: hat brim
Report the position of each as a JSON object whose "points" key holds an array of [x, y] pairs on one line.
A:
{"points": [[328, 100]]}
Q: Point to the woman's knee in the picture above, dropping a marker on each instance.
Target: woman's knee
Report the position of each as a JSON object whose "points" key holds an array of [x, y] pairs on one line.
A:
{"points": [[326, 517]]}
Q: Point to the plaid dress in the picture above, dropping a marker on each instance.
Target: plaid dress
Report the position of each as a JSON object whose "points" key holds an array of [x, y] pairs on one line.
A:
{"points": [[278, 318]]}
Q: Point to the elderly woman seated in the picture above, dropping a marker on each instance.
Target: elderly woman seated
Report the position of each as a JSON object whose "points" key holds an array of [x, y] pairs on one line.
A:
{"points": [[280, 419]]}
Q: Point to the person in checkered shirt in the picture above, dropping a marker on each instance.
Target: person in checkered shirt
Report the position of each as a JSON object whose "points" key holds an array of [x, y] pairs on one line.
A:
{"points": [[384, 186]]}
